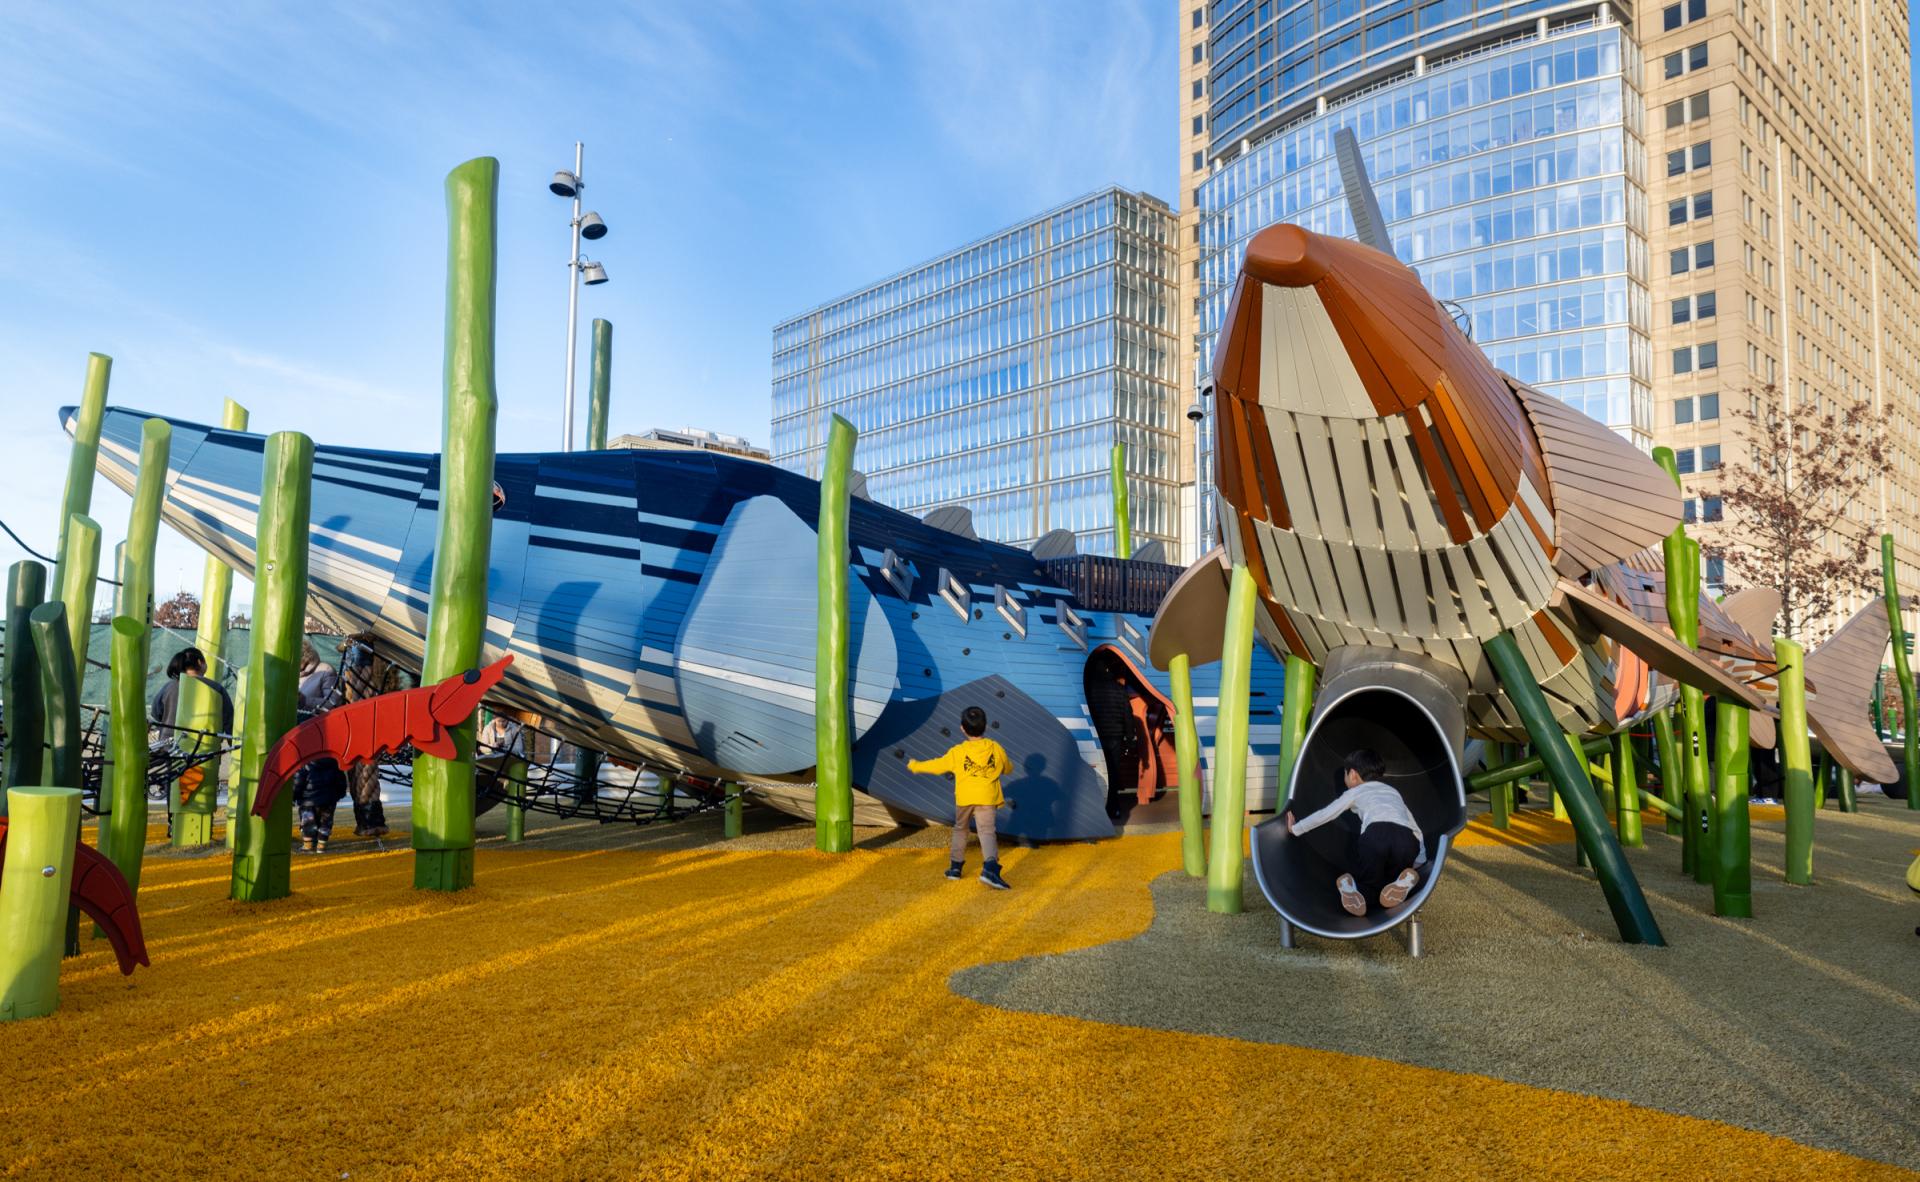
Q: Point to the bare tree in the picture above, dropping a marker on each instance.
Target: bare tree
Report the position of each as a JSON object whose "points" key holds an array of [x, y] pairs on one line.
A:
{"points": [[182, 611], [1788, 507]]}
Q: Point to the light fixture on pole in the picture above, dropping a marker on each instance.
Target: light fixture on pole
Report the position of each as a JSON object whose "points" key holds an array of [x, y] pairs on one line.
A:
{"points": [[580, 271]]}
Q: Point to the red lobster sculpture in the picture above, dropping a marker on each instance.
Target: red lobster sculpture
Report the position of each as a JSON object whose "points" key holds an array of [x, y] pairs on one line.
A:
{"points": [[362, 731], [101, 892]]}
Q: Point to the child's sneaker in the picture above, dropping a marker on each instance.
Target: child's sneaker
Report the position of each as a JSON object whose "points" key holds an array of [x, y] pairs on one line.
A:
{"points": [[1396, 892], [990, 874], [320, 846], [306, 845], [953, 871], [1350, 896]]}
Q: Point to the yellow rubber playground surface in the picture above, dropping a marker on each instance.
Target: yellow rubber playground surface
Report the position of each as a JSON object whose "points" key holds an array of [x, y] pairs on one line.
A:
{"points": [[704, 1014]]}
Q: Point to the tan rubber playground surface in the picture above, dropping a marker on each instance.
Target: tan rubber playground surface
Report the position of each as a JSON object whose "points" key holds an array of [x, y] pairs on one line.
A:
{"points": [[715, 1012]]}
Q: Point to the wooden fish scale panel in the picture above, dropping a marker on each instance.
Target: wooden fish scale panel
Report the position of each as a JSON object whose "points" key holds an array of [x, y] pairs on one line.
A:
{"points": [[1843, 670]]}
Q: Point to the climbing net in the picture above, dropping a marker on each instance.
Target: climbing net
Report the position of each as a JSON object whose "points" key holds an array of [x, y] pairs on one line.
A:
{"points": [[172, 751]]}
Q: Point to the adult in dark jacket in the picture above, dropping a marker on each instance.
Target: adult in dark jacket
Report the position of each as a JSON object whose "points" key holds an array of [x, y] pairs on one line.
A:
{"points": [[321, 784], [188, 662]]}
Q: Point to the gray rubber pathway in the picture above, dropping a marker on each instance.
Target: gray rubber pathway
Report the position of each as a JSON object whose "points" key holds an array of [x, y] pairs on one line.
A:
{"points": [[1803, 1021]]}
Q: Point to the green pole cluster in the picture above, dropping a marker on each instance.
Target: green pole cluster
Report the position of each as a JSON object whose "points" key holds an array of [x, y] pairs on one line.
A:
{"points": [[1796, 759], [1683, 615], [1626, 791], [263, 847], [1902, 671], [1733, 849], [443, 789], [79, 570], [1624, 897], [1672, 773], [598, 385], [60, 698], [832, 732], [123, 831], [1230, 747], [1122, 519], [1295, 707], [43, 829], [1186, 751], [20, 681], [78, 497]]}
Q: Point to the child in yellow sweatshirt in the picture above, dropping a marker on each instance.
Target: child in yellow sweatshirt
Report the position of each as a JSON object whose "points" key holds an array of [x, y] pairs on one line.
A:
{"points": [[976, 764]]}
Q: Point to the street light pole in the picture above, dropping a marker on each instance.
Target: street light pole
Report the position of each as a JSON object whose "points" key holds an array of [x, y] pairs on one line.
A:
{"points": [[573, 298]]}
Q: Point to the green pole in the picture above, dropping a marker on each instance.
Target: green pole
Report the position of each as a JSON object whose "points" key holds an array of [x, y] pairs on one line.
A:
{"points": [[263, 847], [1672, 775], [832, 740], [443, 789], [1660, 805], [1733, 838], [197, 712], [598, 385], [1624, 898], [1683, 616], [123, 830], [60, 697], [143, 524], [78, 497], [1902, 671], [735, 822], [1849, 803], [24, 757], [1796, 759], [1296, 706], [43, 830], [1487, 779], [1122, 519], [79, 569], [236, 787], [1626, 791], [515, 771], [1880, 703], [1230, 747], [1573, 747], [1693, 706], [193, 821], [1186, 750], [1822, 776]]}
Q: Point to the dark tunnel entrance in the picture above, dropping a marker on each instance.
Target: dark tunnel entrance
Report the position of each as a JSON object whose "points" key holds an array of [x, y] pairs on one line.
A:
{"points": [[1132, 721]]}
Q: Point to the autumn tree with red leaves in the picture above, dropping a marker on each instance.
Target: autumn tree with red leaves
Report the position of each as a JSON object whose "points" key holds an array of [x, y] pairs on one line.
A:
{"points": [[182, 611], [1790, 507]]}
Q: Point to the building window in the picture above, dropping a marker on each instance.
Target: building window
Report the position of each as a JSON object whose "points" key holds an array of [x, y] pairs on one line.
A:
{"points": [[1716, 571], [1694, 307], [1711, 509], [1683, 461], [1199, 53], [1684, 13], [1686, 110], [1689, 510], [1709, 407], [1199, 124], [1199, 17], [1199, 161], [1692, 358], [1682, 411], [1199, 88], [1697, 257], [1710, 457], [1684, 209], [1684, 159], [1692, 58]]}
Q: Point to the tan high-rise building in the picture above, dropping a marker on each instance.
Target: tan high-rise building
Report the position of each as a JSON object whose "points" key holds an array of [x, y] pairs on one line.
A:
{"points": [[1193, 169], [1654, 211]]}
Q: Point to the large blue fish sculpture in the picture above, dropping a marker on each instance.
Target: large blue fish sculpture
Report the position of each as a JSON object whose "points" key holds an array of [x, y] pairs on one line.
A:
{"points": [[659, 606]]}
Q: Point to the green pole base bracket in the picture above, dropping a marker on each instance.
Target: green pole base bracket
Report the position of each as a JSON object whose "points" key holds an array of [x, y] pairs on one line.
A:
{"points": [[192, 829], [258, 879], [443, 870]]}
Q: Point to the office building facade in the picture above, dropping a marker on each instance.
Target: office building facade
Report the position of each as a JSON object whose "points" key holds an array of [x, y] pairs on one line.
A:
{"points": [[998, 376], [1647, 210]]}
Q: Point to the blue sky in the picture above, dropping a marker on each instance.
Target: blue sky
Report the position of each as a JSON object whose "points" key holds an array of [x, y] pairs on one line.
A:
{"points": [[251, 205]]}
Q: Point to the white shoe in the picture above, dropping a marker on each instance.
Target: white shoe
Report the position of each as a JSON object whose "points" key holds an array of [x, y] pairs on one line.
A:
{"points": [[1350, 896], [1396, 892]]}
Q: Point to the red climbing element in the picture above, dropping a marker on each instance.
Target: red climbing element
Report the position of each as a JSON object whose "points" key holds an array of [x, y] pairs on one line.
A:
{"points": [[360, 732], [101, 891]]}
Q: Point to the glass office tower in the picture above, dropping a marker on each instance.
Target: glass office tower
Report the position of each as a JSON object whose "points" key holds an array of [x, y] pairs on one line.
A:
{"points": [[1510, 173], [998, 376]]}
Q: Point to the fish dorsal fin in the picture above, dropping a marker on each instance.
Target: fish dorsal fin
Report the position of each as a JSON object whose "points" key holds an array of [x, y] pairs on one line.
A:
{"points": [[1843, 670], [1056, 543], [1753, 609], [954, 519]]}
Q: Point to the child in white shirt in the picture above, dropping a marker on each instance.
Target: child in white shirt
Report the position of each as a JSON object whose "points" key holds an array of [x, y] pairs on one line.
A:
{"points": [[1386, 852]]}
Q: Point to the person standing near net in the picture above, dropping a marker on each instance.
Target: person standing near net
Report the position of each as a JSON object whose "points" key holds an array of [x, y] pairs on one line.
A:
{"points": [[322, 784], [976, 764]]}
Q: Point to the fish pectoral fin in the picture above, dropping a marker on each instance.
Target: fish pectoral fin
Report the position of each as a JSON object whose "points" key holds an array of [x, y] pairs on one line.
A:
{"points": [[1189, 619], [1593, 613]]}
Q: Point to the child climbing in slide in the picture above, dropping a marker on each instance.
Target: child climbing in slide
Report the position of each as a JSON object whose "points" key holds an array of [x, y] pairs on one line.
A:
{"points": [[976, 764], [1385, 855]]}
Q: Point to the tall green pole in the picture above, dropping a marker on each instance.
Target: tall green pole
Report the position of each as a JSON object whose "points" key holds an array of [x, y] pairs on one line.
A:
{"points": [[1626, 791], [60, 698], [143, 524], [1733, 838], [1580, 857], [443, 789], [197, 714], [43, 829], [1296, 705], [832, 738], [598, 385], [1624, 898], [514, 770], [1122, 519], [193, 819], [78, 497], [79, 570], [263, 847], [1796, 759], [1186, 751], [1672, 776], [123, 830], [1902, 670], [1849, 802], [1683, 615], [25, 755], [1230, 747], [1700, 781], [237, 802]]}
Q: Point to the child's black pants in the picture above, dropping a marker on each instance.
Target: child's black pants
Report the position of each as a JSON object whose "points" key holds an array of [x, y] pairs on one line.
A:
{"points": [[1380, 852]]}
